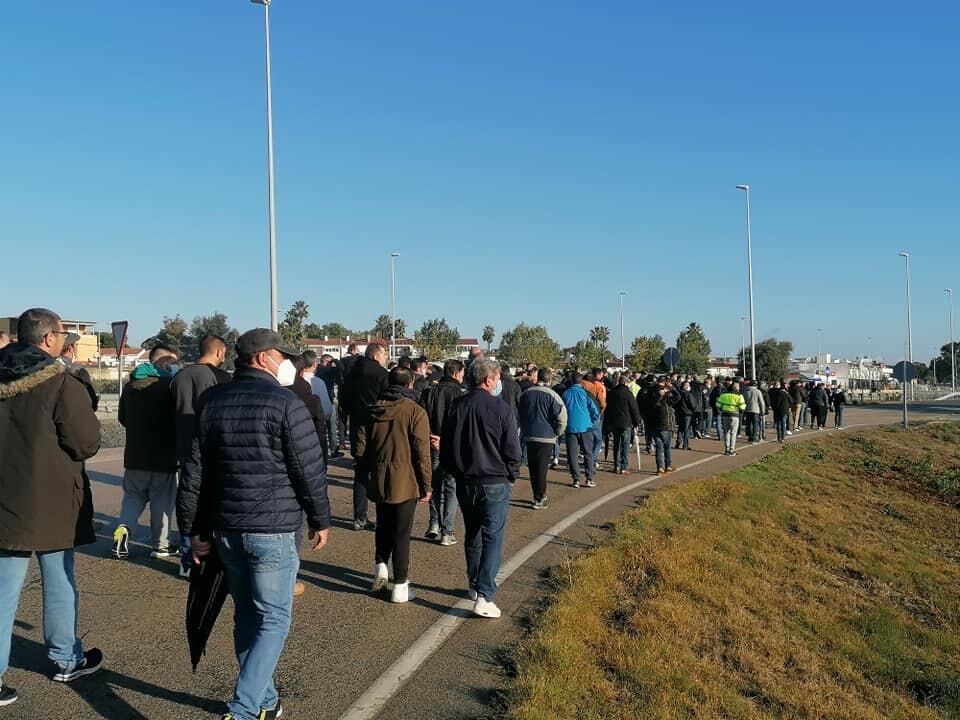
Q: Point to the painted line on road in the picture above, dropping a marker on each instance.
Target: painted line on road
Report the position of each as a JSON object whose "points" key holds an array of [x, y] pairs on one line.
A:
{"points": [[375, 697]]}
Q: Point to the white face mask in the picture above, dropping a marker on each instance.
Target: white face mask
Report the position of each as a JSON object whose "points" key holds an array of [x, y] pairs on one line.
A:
{"points": [[286, 372]]}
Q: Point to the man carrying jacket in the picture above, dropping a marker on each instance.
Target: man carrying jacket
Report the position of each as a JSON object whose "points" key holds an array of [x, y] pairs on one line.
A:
{"points": [[479, 446], [255, 468], [437, 401], [582, 416], [543, 418], [47, 429]]}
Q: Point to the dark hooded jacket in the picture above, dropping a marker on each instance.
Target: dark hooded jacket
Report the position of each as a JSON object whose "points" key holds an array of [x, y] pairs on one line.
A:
{"points": [[146, 410], [47, 429], [395, 445], [622, 410], [438, 399], [361, 387]]}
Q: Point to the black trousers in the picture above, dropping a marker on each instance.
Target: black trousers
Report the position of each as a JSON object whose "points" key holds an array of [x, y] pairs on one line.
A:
{"points": [[392, 537], [538, 459]]}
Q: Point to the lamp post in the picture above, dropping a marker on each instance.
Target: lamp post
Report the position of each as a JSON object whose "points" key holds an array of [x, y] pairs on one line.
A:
{"points": [[393, 304], [819, 347], [743, 348], [623, 352], [906, 258], [753, 343], [953, 352], [274, 306]]}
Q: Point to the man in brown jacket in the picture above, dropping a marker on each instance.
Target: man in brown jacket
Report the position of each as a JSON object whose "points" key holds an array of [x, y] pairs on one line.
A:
{"points": [[47, 429], [394, 445]]}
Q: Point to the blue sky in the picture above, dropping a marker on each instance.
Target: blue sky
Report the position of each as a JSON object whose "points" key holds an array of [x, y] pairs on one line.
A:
{"points": [[527, 159]]}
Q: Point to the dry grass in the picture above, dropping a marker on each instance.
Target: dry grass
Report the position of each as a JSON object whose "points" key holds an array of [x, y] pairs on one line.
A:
{"points": [[821, 582]]}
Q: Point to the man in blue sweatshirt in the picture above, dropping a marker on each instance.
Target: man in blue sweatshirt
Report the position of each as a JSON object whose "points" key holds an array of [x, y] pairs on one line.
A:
{"points": [[582, 414], [480, 447]]}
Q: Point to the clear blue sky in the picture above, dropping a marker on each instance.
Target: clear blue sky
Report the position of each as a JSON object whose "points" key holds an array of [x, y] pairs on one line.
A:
{"points": [[528, 159]]}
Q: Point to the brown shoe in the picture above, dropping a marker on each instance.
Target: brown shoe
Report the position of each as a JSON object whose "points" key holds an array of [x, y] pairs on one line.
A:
{"points": [[299, 589]]}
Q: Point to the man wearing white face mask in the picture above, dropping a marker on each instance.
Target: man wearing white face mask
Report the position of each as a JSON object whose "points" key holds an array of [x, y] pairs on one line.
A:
{"points": [[257, 465]]}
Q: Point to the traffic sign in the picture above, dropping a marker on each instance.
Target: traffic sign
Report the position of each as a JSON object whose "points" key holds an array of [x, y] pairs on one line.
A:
{"points": [[119, 337], [671, 357], [904, 371]]}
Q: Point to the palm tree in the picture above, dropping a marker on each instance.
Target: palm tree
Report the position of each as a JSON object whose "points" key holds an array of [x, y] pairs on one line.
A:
{"points": [[488, 335], [600, 335]]}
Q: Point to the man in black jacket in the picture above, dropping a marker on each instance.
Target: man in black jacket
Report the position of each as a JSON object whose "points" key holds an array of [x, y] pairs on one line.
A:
{"points": [[621, 417], [361, 388], [255, 467], [437, 400], [479, 446]]}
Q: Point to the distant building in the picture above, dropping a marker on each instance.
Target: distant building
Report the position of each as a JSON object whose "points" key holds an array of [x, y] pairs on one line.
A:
{"points": [[857, 374], [131, 357], [86, 329], [337, 347]]}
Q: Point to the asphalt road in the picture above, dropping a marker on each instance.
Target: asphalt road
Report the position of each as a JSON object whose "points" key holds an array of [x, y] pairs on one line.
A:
{"points": [[343, 637]]}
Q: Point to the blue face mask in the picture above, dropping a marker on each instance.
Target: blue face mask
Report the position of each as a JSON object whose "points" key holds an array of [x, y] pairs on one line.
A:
{"points": [[498, 389]]}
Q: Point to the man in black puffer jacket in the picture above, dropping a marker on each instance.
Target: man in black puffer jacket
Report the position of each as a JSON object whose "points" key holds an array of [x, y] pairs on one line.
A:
{"points": [[255, 467]]}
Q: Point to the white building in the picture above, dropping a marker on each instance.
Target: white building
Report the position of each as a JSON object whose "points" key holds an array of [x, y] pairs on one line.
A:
{"points": [[338, 347]]}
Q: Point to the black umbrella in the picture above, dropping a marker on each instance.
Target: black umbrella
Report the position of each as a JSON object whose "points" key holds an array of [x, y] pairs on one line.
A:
{"points": [[208, 590]]}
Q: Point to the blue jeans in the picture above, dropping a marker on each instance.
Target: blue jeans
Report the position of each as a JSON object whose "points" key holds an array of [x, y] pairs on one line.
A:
{"points": [[803, 415], [707, 421], [484, 510], [781, 423], [60, 602], [261, 570], [621, 448], [443, 502], [597, 441], [662, 441], [683, 431], [838, 415], [577, 443]]}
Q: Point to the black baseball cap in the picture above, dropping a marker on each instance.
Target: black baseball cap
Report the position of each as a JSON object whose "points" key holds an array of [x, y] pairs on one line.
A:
{"points": [[261, 340]]}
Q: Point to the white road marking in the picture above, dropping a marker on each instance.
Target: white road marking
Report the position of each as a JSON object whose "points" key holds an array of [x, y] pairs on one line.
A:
{"points": [[373, 700]]}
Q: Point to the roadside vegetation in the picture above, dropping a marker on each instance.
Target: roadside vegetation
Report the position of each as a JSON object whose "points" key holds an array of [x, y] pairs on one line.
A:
{"points": [[820, 582]]}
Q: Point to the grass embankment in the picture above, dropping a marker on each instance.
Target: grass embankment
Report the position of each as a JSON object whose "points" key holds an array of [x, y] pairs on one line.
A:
{"points": [[820, 582]]}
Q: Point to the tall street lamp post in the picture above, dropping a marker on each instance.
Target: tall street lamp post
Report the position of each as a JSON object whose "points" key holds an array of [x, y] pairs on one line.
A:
{"points": [[906, 258], [623, 356], [953, 352], [393, 304], [274, 307], [753, 339]]}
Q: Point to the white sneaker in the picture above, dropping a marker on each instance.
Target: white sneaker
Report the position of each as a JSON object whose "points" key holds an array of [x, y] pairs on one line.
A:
{"points": [[472, 594], [402, 592], [483, 608], [381, 575], [789, 432]]}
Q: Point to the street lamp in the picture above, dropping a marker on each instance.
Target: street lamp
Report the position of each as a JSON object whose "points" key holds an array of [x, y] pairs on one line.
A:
{"points": [[819, 347], [743, 348], [906, 257], [753, 339], [953, 352], [623, 352], [393, 303], [274, 307]]}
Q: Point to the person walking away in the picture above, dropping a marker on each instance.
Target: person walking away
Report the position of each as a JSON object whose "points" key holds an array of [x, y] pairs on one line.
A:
{"points": [[697, 402], [664, 425], [781, 405], [805, 389], [620, 420], [796, 405], [510, 394], [47, 429], [765, 392], [188, 387], [715, 392], [838, 399], [755, 408], [255, 468], [543, 418], [328, 371], [592, 382], [818, 402], [582, 415], [395, 445], [312, 389], [437, 401], [361, 388], [146, 410], [480, 447], [684, 413], [729, 406]]}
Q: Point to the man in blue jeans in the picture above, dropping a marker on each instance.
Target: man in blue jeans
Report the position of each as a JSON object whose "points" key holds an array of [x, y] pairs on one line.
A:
{"points": [[582, 415], [47, 429], [480, 447], [255, 468]]}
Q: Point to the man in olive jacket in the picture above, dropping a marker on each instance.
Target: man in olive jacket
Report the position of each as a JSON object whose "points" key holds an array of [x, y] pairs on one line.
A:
{"points": [[395, 445], [47, 429]]}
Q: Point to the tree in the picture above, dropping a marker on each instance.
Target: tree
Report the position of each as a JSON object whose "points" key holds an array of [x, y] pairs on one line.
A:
{"points": [[529, 344], [646, 352], [694, 349], [106, 340], [291, 329], [944, 367], [383, 328], [334, 331], [600, 335], [773, 359], [488, 335], [922, 371], [173, 334], [588, 355], [215, 324], [436, 339]]}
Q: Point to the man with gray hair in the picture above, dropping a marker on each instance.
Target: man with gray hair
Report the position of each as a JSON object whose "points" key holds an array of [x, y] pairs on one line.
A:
{"points": [[480, 447], [47, 429]]}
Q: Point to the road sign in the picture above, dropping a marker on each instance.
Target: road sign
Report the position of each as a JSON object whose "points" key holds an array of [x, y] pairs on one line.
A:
{"points": [[119, 336], [904, 371], [671, 357]]}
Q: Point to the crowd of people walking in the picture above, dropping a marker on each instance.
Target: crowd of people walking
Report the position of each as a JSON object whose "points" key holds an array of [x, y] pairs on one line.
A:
{"points": [[241, 459]]}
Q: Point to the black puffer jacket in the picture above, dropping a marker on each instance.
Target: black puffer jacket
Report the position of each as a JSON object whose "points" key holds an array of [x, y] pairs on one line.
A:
{"points": [[256, 464], [438, 399], [361, 388], [622, 410]]}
